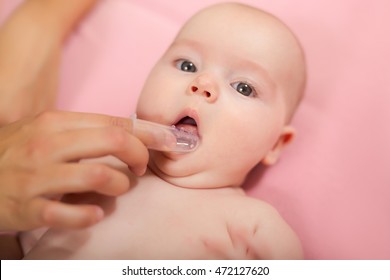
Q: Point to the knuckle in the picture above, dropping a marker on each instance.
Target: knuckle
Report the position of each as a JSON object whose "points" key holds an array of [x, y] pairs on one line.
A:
{"points": [[97, 176], [117, 138], [37, 149], [120, 122], [46, 216], [47, 117]]}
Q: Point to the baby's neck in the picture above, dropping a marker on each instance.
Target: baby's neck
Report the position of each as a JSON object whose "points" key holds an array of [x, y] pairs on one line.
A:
{"points": [[151, 180]]}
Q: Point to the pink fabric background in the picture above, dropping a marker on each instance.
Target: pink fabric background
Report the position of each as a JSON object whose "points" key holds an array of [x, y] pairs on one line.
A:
{"points": [[333, 184]]}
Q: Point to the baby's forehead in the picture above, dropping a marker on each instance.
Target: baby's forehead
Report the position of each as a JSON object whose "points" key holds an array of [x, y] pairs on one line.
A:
{"points": [[233, 16], [240, 27], [253, 34]]}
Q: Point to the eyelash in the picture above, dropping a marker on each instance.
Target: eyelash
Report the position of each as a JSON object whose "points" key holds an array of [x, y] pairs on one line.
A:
{"points": [[179, 65], [253, 92]]}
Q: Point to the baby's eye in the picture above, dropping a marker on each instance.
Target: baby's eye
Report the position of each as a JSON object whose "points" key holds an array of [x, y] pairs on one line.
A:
{"points": [[244, 88], [185, 65]]}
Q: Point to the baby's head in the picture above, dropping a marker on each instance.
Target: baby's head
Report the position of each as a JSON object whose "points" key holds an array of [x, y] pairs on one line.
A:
{"points": [[234, 75]]}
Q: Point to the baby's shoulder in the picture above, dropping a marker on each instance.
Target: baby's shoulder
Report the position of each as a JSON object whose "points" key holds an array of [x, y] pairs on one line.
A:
{"points": [[252, 208], [267, 234]]}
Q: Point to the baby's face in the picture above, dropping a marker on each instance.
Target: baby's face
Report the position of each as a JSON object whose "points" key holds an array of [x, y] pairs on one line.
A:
{"points": [[224, 78]]}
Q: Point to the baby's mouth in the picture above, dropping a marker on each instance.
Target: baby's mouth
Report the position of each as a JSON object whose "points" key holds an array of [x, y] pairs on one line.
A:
{"points": [[188, 124]]}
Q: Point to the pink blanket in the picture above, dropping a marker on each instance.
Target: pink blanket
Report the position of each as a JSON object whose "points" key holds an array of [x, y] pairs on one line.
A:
{"points": [[333, 184]]}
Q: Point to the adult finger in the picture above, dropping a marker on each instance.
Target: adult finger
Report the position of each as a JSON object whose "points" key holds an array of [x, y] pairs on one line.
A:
{"points": [[98, 142], [61, 215], [80, 177], [149, 135], [62, 120]]}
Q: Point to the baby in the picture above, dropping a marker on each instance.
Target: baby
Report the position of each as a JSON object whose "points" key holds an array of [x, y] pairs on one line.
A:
{"points": [[234, 76]]}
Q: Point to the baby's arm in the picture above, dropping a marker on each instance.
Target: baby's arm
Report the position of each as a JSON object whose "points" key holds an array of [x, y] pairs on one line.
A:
{"points": [[274, 239]]}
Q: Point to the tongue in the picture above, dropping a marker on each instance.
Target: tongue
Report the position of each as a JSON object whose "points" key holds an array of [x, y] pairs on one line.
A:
{"points": [[188, 128]]}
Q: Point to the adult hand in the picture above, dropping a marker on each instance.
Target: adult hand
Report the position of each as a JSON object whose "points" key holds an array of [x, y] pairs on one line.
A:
{"points": [[39, 159]]}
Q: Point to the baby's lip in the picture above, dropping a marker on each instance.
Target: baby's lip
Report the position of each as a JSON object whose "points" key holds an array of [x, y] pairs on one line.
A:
{"points": [[188, 120]]}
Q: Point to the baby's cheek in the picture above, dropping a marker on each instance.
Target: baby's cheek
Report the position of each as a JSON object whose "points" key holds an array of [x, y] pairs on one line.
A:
{"points": [[241, 145], [151, 106]]}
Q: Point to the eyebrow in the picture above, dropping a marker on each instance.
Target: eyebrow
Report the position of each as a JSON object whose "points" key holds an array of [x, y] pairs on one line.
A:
{"points": [[249, 64], [188, 43]]}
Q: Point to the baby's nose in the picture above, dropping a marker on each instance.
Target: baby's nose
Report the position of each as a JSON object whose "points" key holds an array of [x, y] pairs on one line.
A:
{"points": [[205, 86]]}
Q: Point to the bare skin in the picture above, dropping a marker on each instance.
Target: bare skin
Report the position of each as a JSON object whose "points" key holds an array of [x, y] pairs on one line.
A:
{"points": [[156, 220], [39, 149], [30, 46], [191, 206]]}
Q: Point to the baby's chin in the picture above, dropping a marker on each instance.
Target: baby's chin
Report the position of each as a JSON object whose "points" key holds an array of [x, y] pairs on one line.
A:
{"points": [[187, 173], [175, 169]]}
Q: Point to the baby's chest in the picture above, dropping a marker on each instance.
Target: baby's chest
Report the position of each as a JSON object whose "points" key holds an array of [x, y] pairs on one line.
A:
{"points": [[176, 231]]}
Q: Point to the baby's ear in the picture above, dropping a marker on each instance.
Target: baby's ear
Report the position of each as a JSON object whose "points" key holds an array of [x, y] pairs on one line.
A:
{"points": [[285, 138]]}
